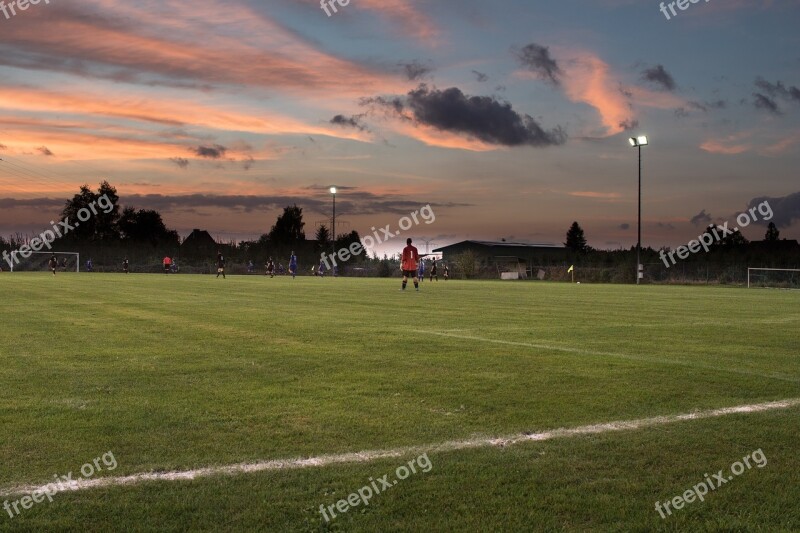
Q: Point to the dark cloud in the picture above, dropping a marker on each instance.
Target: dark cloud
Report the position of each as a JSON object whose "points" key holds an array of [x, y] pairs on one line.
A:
{"points": [[659, 77], [3, 146], [211, 152], [34, 203], [628, 125], [248, 162], [665, 225], [625, 226], [778, 90], [537, 59], [480, 117], [766, 103], [701, 219], [415, 70], [180, 161], [705, 107], [353, 202], [44, 150], [786, 209], [353, 121], [480, 76]]}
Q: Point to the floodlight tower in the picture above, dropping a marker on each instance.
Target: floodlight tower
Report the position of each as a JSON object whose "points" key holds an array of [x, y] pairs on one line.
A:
{"points": [[638, 142], [333, 223]]}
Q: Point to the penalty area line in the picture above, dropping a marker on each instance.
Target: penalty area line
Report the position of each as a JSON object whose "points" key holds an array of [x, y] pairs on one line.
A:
{"points": [[617, 355], [369, 456]]}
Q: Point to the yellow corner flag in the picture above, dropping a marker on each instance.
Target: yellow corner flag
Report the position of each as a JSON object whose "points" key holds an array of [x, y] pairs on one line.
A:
{"points": [[571, 268]]}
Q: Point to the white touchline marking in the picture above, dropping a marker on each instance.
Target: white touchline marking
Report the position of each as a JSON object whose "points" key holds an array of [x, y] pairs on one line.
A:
{"points": [[368, 456], [618, 355]]}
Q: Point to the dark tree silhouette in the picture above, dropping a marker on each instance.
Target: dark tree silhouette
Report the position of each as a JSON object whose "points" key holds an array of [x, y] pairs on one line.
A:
{"points": [[288, 229], [576, 241], [93, 216], [772, 234], [323, 237], [145, 226]]}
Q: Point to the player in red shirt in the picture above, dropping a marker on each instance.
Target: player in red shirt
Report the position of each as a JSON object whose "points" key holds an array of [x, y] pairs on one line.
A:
{"points": [[409, 264]]}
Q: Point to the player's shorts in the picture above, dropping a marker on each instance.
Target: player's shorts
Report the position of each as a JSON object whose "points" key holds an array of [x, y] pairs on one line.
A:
{"points": [[220, 270], [409, 273]]}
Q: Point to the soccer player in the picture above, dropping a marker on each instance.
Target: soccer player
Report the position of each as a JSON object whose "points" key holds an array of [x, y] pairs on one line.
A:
{"points": [[446, 272], [220, 265], [53, 264], [63, 264], [125, 265], [422, 271], [409, 264], [433, 271], [293, 265], [167, 264], [271, 268], [321, 269]]}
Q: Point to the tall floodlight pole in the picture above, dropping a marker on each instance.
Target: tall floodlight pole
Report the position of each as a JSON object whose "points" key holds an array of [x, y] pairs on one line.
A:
{"points": [[333, 223], [638, 142]]}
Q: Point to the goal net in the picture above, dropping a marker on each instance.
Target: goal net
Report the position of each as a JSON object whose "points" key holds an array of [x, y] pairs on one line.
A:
{"points": [[38, 262], [775, 278]]}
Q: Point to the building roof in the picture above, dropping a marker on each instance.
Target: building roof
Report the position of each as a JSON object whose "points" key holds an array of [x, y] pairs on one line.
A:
{"points": [[501, 244]]}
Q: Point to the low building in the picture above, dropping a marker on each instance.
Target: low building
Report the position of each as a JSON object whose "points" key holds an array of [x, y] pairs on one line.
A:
{"points": [[507, 256]]}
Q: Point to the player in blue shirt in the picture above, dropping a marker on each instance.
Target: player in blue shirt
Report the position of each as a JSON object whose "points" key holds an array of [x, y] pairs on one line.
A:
{"points": [[293, 265], [421, 275]]}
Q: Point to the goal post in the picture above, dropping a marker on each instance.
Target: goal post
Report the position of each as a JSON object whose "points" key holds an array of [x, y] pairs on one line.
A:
{"points": [[778, 278], [29, 264]]}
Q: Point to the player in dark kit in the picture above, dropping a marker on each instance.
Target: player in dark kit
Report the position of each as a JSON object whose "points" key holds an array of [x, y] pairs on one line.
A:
{"points": [[446, 272], [53, 264], [293, 265], [433, 271], [125, 265], [409, 264], [220, 265], [271, 268]]}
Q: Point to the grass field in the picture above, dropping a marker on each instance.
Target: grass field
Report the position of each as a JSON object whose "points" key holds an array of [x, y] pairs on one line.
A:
{"points": [[184, 372]]}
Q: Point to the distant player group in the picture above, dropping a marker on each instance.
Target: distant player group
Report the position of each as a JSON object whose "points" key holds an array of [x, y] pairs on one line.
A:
{"points": [[411, 266]]}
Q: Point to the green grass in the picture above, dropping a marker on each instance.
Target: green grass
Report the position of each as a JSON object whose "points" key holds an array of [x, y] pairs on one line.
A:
{"points": [[181, 372]]}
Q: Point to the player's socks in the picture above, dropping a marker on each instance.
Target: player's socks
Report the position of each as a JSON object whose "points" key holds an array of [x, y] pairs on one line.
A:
{"points": [[416, 286], [404, 285]]}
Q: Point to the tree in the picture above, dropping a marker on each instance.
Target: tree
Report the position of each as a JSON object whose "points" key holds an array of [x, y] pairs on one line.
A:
{"points": [[772, 234], [145, 226], [576, 241], [288, 229], [93, 216], [466, 263], [345, 240], [323, 237]]}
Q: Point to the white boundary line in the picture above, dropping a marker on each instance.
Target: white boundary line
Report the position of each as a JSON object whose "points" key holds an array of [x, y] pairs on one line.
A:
{"points": [[618, 355], [374, 455]]}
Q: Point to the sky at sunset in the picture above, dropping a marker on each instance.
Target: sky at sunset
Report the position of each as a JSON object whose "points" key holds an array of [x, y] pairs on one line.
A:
{"points": [[510, 118]]}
